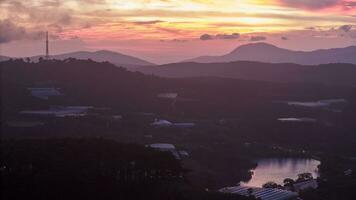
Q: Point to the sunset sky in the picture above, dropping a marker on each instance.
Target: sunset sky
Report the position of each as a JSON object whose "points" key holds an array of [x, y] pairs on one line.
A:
{"points": [[164, 31]]}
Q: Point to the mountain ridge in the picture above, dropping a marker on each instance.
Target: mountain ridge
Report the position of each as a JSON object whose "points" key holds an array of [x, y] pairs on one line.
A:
{"points": [[99, 56], [264, 52], [328, 74]]}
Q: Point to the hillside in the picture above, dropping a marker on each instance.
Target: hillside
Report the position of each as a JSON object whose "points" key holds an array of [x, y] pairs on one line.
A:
{"points": [[263, 52], [101, 56], [3, 58], [129, 62], [329, 74]]}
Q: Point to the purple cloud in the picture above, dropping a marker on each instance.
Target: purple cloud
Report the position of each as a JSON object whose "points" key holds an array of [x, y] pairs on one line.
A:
{"points": [[310, 4], [345, 28], [220, 36], [257, 38]]}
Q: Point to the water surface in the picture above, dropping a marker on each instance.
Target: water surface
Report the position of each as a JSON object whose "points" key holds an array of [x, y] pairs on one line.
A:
{"points": [[276, 170]]}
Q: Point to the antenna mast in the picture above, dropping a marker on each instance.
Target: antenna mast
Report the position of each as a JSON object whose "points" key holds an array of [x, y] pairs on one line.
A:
{"points": [[47, 50]]}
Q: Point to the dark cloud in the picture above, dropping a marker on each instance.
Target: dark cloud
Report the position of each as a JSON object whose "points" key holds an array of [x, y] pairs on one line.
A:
{"points": [[310, 28], [55, 28], [206, 37], [349, 5], [227, 36], [345, 28], [47, 12], [284, 38], [10, 31], [220, 36], [179, 40], [148, 22], [87, 25], [353, 35], [257, 38], [169, 30], [310, 4], [65, 19]]}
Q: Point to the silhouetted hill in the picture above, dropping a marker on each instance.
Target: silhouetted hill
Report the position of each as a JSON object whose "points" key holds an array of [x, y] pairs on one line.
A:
{"points": [[251, 103], [264, 52], [330, 74], [101, 56], [3, 58]]}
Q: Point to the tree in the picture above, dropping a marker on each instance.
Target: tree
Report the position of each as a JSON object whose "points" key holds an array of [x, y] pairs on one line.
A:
{"points": [[270, 184], [250, 192], [305, 176], [288, 182]]}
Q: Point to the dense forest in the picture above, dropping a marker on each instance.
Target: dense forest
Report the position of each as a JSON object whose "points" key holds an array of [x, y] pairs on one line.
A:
{"points": [[92, 169], [202, 100], [235, 123]]}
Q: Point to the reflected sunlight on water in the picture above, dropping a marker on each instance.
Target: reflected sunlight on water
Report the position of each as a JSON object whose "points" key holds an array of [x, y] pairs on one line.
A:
{"points": [[277, 170]]}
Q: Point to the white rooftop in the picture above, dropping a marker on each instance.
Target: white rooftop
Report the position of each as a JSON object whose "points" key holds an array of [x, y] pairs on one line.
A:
{"points": [[162, 146], [60, 111], [161, 122], [292, 119], [44, 93], [262, 193]]}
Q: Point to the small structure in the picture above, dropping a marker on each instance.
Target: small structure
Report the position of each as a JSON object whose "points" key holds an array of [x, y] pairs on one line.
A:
{"points": [[161, 123], [166, 148], [183, 153], [261, 193], [44, 93], [348, 172], [317, 104], [60, 111], [292, 119], [183, 125], [305, 185], [165, 123], [47, 44]]}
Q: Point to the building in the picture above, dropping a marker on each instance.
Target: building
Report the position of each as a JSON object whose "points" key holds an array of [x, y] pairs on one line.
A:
{"points": [[183, 125], [305, 185], [60, 111], [166, 148], [261, 193], [161, 123], [44, 93], [348, 172], [165, 123]]}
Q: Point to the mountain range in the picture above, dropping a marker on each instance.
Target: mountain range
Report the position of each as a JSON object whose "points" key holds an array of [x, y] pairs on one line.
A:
{"points": [[98, 56], [263, 52], [3, 58], [256, 61], [328, 74]]}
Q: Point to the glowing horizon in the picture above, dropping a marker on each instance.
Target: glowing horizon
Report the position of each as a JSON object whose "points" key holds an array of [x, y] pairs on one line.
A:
{"points": [[176, 28]]}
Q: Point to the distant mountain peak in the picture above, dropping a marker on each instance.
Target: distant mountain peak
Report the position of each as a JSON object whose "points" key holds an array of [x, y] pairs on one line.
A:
{"points": [[259, 46], [113, 57], [107, 52], [264, 52]]}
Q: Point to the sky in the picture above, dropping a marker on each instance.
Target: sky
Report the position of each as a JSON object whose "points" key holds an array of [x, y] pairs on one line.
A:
{"points": [[163, 31]]}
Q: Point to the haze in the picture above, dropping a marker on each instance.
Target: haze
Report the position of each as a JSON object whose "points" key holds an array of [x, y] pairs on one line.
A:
{"points": [[164, 31]]}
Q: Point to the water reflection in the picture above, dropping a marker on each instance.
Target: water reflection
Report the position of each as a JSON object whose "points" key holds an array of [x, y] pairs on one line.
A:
{"points": [[277, 170]]}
